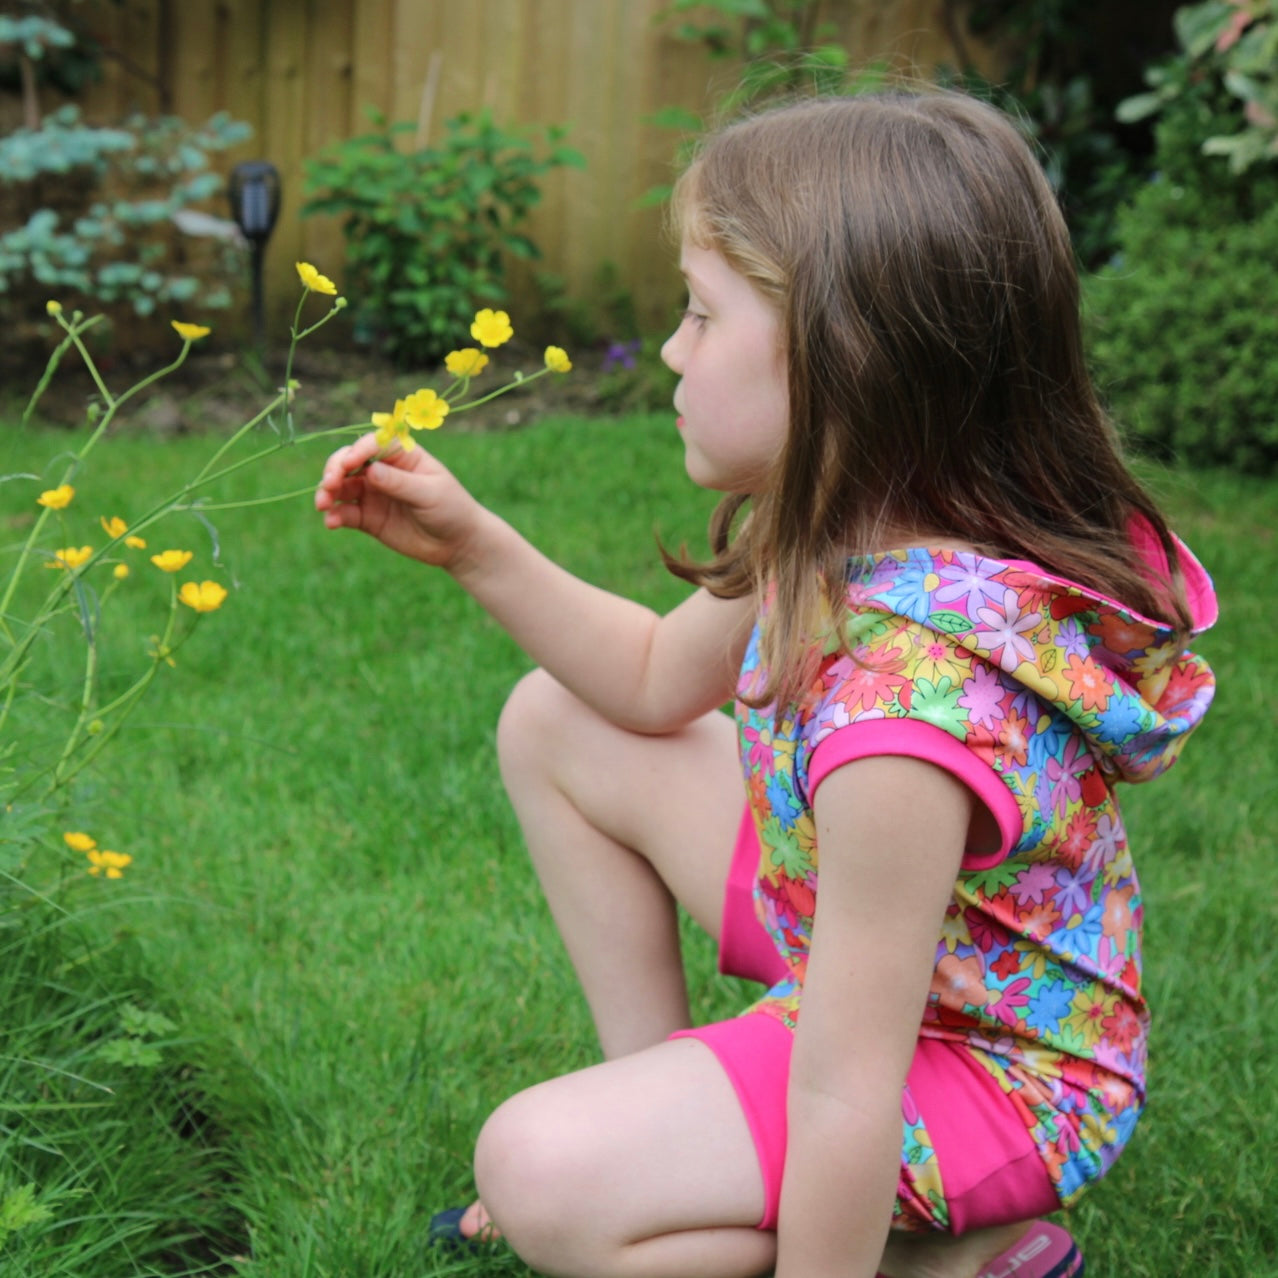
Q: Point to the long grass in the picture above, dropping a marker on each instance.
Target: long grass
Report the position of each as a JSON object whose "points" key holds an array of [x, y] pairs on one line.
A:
{"points": [[330, 898]]}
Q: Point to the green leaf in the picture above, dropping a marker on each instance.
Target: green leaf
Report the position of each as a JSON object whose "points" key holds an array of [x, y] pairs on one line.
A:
{"points": [[948, 622], [1138, 107], [1199, 25]]}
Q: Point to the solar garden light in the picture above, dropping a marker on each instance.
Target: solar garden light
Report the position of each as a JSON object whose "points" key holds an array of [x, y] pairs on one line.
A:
{"points": [[254, 191]]}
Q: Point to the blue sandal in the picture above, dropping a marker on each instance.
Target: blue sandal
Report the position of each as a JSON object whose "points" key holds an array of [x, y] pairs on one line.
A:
{"points": [[445, 1231]]}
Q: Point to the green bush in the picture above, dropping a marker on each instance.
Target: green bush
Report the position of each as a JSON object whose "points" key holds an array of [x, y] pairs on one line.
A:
{"points": [[92, 210], [1184, 324], [1185, 331], [1222, 87], [428, 231]]}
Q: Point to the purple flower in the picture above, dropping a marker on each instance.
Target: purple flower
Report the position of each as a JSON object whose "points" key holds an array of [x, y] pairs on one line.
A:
{"points": [[969, 579], [620, 355], [1002, 631]]}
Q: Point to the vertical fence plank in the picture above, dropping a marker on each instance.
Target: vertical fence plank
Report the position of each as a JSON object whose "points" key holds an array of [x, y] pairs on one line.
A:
{"points": [[283, 133], [329, 80], [192, 57], [373, 53]]}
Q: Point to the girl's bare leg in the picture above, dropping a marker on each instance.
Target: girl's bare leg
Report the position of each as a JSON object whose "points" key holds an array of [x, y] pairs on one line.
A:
{"points": [[620, 826], [642, 1167]]}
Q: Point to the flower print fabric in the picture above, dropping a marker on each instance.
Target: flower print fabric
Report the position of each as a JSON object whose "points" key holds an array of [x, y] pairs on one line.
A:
{"points": [[1040, 695]]}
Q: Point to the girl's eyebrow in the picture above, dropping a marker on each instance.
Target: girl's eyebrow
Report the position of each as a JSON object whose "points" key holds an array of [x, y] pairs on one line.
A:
{"points": [[691, 279]]}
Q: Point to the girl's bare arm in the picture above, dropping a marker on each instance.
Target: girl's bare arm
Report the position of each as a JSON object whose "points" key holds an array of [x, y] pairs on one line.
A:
{"points": [[647, 672], [891, 833]]}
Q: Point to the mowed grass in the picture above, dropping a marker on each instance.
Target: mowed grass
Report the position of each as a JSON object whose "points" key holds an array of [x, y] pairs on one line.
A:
{"points": [[330, 892]]}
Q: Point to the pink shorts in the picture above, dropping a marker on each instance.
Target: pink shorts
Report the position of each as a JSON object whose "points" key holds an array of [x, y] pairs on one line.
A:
{"points": [[989, 1167]]}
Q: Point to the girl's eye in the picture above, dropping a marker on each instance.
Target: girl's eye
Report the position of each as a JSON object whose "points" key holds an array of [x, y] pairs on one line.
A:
{"points": [[696, 317]]}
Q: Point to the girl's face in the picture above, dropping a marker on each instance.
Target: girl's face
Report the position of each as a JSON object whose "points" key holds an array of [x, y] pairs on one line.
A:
{"points": [[732, 395]]}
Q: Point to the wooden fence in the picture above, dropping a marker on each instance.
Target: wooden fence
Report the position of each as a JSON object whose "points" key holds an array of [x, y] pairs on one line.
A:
{"points": [[303, 73]]}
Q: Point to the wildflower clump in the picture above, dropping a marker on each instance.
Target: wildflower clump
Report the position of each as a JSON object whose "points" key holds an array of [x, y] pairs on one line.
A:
{"points": [[132, 580], [95, 556]]}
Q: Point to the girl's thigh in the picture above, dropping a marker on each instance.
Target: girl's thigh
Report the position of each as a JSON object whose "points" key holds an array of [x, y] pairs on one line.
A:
{"points": [[645, 1146], [675, 799]]}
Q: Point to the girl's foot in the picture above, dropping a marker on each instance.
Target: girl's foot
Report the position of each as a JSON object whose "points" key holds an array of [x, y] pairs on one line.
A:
{"points": [[476, 1225], [462, 1226], [1035, 1249]]}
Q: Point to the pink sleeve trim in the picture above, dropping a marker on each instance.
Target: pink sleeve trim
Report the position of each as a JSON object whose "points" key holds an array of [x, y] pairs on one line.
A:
{"points": [[918, 740]]}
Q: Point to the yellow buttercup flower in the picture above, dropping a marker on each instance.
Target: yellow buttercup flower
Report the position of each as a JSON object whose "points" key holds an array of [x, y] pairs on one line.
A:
{"points": [[120, 571], [466, 363], [53, 308], [58, 498], [78, 841], [137, 543], [190, 332], [557, 360], [313, 280], [491, 328], [207, 596], [424, 410], [70, 557], [392, 426], [172, 560], [113, 863], [114, 527]]}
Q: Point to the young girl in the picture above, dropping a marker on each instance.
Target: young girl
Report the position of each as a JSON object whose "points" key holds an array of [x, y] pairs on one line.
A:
{"points": [[952, 622]]}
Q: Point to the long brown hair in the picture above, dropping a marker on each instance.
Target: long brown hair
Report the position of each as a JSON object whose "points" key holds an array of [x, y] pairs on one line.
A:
{"points": [[937, 383]]}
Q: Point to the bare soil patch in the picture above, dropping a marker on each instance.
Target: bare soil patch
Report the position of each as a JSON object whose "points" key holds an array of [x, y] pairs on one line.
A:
{"points": [[219, 390]]}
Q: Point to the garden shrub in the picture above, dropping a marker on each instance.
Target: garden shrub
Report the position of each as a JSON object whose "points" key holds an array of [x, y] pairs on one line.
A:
{"points": [[1184, 329], [428, 231], [1183, 320], [93, 210]]}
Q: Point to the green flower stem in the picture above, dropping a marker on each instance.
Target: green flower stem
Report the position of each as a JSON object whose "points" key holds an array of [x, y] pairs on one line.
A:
{"points": [[292, 350], [501, 390], [15, 574], [295, 336], [49, 369], [204, 479], [201, 477], [45, 899], [308, 491], [87, 690], [123, 706], [152, 378]]}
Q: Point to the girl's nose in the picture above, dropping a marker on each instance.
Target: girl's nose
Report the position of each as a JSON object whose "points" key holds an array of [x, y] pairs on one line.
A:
{"points": [[670, 351]]}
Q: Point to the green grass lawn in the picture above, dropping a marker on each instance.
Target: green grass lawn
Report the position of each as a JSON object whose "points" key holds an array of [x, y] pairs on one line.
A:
{"points": [[330, 896]]}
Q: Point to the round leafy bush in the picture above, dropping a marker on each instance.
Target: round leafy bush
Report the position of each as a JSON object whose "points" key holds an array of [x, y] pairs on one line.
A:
{"points": [[1184, 328], [1184, 318]]}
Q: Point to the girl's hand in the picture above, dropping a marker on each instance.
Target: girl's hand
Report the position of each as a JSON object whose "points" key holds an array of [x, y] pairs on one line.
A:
{"points": [[407, 500]]}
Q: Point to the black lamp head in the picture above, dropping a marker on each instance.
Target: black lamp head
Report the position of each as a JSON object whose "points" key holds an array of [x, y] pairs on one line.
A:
{"points": [[254, 190]]}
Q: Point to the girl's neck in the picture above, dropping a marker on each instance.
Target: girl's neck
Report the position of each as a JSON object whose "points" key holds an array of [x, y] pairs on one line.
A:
{"points": [[892, 537]]}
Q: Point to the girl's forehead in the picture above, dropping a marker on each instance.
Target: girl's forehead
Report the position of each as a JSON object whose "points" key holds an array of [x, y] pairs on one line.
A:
{"points": [[705, 269]]}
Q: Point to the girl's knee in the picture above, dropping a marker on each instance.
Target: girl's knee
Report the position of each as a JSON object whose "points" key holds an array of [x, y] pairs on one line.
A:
{"points": [[532, 1179], [537, 703]]}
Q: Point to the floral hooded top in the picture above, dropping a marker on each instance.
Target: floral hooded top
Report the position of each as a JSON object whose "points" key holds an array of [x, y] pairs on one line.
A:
{"points": [[1040, 695]]}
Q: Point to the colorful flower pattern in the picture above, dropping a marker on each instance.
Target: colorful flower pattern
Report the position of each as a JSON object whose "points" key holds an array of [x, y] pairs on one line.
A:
{"points": [[1062, 693]]}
